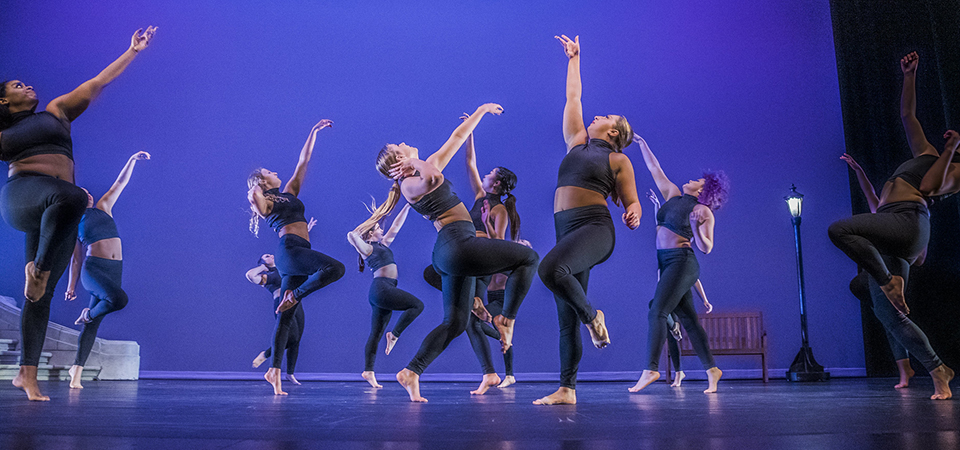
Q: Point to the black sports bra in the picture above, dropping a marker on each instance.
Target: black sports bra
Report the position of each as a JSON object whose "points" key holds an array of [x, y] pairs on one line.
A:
{"points": [[437, 201], [588, 166], [34, 134], [674, 215], [287, 209], [477, 215]]}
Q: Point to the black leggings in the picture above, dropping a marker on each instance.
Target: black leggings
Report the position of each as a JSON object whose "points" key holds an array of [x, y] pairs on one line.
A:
{"points": [[585, 238], [679, 270], [860, 287], [459, 256], [48, 210], [673, 347], [304, 270], [101, 278], [385, 298], [478, 330], [286, 336]]}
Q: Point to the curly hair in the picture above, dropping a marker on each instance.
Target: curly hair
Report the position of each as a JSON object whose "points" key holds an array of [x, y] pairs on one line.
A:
{"points": [[716, 189], [4, 110]]}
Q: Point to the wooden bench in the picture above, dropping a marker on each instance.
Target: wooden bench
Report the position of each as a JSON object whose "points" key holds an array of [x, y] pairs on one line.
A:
{"points": [[730, 334]]}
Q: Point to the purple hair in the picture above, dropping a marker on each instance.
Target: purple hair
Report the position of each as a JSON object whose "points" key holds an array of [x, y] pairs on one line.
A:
{"points": [[716, 189]]}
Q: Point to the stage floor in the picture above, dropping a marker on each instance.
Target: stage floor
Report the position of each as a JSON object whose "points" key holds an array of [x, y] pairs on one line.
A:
{"points": [[856, 413]]}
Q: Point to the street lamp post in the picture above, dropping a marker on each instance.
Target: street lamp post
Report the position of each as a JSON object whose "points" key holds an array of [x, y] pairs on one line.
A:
{"points": [[804, 367]]}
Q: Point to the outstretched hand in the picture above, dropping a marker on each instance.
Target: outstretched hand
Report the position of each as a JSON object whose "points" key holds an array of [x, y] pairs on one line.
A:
{"points": [[653, 198], [324, 123], [311, 224], [908, 64], [851, 162], [570, 47], [141, 39], [707, 305], [492, 108], [140, 156]]}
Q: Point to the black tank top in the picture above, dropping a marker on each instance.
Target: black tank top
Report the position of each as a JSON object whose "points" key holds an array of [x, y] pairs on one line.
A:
{"points": [[34, 134], [437, 201], [588, 166], [913, 170], [273, 279], [382, 256], [477, 216], [287, 209], [96, 225], [674, 215]]}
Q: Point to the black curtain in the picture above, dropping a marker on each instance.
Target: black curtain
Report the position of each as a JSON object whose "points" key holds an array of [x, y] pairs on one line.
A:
{"points": [[870, 38]]}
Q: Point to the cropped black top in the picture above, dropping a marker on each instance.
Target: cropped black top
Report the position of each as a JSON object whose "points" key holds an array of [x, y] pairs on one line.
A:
{"points": [[96, 225], [674, 215], [588, 166], [477, 216], [437, 201], [913, 170], [273, 280], [382, 256], [287, 209], [34, 134]]}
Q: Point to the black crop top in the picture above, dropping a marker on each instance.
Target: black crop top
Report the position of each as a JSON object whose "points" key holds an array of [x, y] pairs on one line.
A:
{"points": [[287, 209], [34, 134], [477, 215], [674, 215], [273, 280], [588, 166], [437, 201], [382, 256], [96, 225], [913, 170]]}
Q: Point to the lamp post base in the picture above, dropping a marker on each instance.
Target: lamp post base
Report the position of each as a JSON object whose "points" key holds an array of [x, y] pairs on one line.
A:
{"points": [[805, 368]]}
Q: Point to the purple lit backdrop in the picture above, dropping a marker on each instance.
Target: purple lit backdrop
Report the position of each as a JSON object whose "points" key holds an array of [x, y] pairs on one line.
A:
{"points": [[749, 87]]}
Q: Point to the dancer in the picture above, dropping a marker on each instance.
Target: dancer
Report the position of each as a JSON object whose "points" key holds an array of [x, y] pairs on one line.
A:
{"points": [[303, 270], [267, 275], [458, 255], [40, 197], [373, 245], [685, 218], [593, 169], [886, 242], [101, 270]]}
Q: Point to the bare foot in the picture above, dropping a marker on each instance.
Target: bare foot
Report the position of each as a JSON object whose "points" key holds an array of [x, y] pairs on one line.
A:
{"points": [[508, 380], [647, 377], [36, 283], [75, 373], [678, 379], [391, 341], [26, 379], [293, 379], [411, 382], [713, 377], [259, 359], [489, 380], [563, 396], [481, 311], [906, 372], [505, 327], [85, 318], [941, 382], [371, 378], [289, 301], [273, 377], [598, 331], [894, 292]]}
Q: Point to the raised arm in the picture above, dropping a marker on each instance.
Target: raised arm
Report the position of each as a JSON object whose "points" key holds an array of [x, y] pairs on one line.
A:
{"points": [[944, 176], [362, 247], [702, 221], [76, 263], [868, 191], [110, 198], [627, 190], [296, 181], [470, 156], [442, 157], [70, 106], [908, 107], [398, 221], [256, 275], [698, 288], [667, 189], [574, 133]]}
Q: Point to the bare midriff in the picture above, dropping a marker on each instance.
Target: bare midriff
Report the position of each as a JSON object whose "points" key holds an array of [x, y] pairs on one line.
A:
{"points": [[54, 165], [667, 239], [569, 197], [108, 248], [458, 213], [900, 191], [387, 271], [296, 229]]}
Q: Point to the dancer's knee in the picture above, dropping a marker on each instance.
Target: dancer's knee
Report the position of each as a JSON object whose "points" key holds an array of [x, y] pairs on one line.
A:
{"points": [[119, 300], [335, 271], [551, 274], [837, 231]]}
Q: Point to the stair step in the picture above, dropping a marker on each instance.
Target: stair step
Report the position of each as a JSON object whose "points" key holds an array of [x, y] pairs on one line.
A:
{"points": [[8, 357], [8, 345], [46, 372]]}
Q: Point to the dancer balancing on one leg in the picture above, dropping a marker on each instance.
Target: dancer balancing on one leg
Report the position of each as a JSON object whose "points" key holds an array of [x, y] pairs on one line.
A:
{"points": [[373, 245], [303, 270], [593, 169], [267, 275], [40, 197], [686, 217], [101, 270], [458, 255]]}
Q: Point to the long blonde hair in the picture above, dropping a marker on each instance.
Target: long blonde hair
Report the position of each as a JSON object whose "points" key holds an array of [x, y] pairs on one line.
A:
{"points": [[256, 179]]}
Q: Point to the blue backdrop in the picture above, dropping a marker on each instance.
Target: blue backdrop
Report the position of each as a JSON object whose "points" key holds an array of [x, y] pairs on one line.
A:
{"points": [[749, 87]]}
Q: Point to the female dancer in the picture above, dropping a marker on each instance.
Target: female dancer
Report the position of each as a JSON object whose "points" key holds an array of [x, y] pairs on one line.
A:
{"points": [[267, 275], [373, 245], [303, 270], [593, 169], [687, 213], [101, 269], [40, 197], [458, 255], [886, 242]]}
